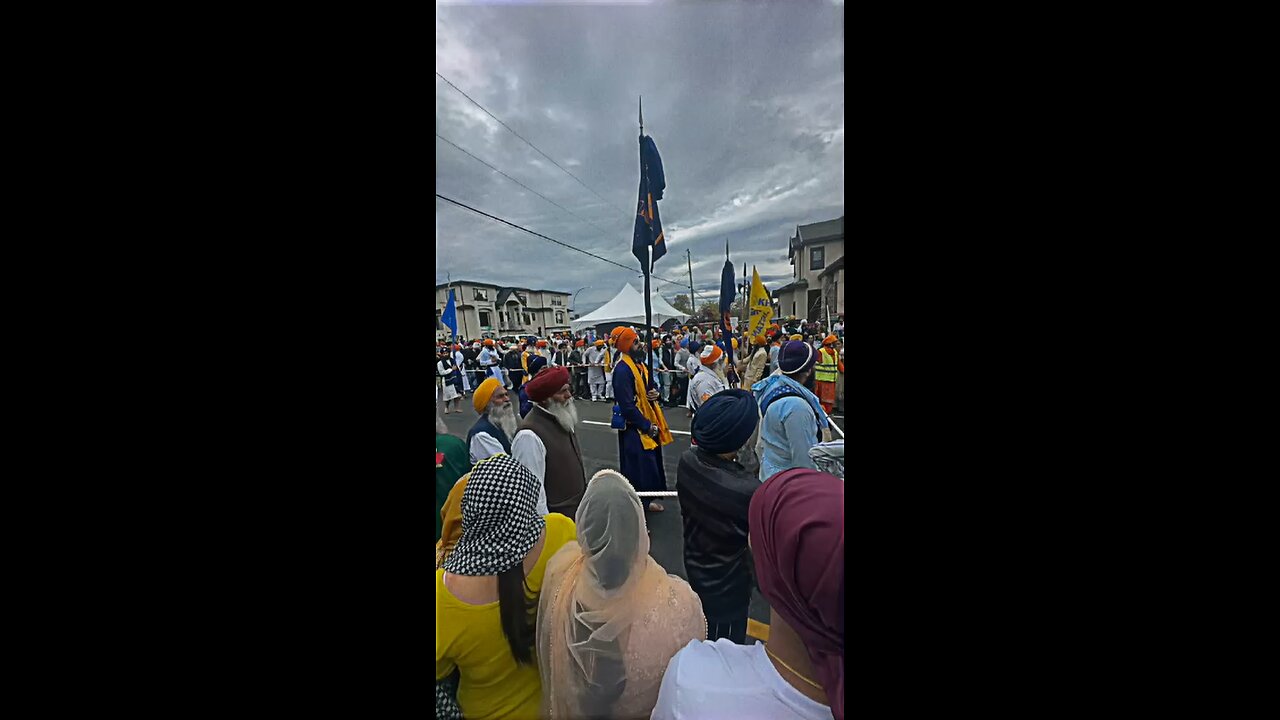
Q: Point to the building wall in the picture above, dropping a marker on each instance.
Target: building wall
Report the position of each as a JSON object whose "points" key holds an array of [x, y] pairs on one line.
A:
{"points": [[508, 320]]}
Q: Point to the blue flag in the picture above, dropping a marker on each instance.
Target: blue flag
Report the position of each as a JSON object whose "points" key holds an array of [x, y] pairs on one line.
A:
{"points": [[648, 230], [450, 316], [728, 291]]}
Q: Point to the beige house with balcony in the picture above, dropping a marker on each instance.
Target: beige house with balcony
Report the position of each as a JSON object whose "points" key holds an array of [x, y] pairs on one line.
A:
{"points": [[488, 310], [816, 253]]}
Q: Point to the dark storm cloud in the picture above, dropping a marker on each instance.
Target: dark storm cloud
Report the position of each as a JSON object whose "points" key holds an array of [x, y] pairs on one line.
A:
{"points": [[745, 102]]}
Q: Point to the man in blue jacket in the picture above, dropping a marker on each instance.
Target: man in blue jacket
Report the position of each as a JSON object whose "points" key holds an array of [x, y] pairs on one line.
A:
{"points": [[792, 418]]}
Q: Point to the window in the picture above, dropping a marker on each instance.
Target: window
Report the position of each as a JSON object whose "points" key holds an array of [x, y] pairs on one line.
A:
{"points": [[484, 318], [478, 294], [524, 299], [816, 257], [559, 318]]}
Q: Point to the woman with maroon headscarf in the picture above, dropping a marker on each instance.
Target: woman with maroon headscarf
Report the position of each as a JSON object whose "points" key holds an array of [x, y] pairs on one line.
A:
{"points": [[796, 536]]}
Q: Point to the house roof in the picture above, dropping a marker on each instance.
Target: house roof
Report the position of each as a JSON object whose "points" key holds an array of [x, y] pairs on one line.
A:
{"points": [[793, 286], [816, 233], [440, 286], [837, 265]]}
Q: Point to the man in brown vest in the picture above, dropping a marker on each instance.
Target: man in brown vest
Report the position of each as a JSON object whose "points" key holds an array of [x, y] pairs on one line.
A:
{"points": [[547, 443]]}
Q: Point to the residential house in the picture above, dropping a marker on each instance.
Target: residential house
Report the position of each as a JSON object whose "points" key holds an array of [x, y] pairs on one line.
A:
{"points": [[816, 253], [488, 310]]}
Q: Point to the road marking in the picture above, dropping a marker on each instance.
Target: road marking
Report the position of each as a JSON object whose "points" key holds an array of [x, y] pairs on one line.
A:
{"points": [[597, 422], [758, 630]]}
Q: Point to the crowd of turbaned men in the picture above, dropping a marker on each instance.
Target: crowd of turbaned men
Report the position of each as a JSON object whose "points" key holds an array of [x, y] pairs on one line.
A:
{"points": [[548, 603]]}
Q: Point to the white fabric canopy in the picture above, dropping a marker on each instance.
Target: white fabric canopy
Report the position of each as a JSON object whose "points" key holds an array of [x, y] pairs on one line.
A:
{"points": [[628, 307]]}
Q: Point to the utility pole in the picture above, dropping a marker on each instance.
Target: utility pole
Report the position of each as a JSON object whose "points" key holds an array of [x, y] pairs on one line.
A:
{"points": [[693, 303]]}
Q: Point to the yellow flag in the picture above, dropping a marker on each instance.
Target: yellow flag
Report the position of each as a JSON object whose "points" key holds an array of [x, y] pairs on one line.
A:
{"points": [[761, 308]]}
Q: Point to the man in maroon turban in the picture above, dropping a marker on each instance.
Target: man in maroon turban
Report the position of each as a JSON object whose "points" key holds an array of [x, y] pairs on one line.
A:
{"points": [[547, 442]]}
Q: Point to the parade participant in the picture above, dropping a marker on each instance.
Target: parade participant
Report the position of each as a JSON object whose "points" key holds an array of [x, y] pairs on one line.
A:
{"points": [[715, 493], [487, 587], [597, 360], [752, 366], [610, 618], [513, 362], [796, 522], [492, 432], [537, 364], [774, 348], [490, 359], [793, 420], [610, 363], [679, 387], [659, 367], [666, 358], [640, 442], [577, 362], [691, 367], [542, 350], [460, 361], [560, 357], [547, 442], [710, 378], [449, 379], [824, 373]]}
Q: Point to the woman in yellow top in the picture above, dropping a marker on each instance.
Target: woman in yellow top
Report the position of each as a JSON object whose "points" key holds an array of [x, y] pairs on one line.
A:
{"points": [[487, 595]]}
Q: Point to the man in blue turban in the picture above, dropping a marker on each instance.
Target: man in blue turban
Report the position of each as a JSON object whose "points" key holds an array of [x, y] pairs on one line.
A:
{"points": [[715, 495]]}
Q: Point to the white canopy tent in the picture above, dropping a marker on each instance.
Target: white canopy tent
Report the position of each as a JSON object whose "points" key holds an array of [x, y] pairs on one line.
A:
{"points": [[628, 307]]}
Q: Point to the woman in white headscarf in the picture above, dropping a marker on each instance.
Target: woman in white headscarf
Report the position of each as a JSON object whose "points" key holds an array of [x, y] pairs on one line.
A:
{"points": [[609, 617]]}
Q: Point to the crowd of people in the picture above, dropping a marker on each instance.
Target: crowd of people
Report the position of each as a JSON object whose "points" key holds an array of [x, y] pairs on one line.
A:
{"points": [[548, 604]]}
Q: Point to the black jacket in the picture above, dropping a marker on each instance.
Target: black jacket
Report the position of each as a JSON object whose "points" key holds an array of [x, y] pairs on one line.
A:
{"points": [[714, 497]]}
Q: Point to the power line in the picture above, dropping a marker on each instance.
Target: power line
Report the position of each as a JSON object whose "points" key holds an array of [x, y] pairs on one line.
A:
{"points": [[526, 187], [544, 237], [526, 142]]}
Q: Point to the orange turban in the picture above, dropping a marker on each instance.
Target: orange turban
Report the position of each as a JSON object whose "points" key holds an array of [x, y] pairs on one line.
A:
{"points": [[542, 343], [710, 355], [581, 343], [599, 343], [626, 338], [829, 340], [758, 340], [657, 344], [488, 342]]}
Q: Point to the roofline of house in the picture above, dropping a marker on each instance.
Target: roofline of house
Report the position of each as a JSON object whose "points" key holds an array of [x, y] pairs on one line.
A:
{"points": [[442, 286]]}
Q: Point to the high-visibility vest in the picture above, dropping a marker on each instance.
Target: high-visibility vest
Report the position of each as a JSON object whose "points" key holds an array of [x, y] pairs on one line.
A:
{"points": [[825, 369]]}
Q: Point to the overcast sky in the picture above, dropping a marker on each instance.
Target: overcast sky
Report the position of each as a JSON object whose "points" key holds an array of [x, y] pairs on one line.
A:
{"points": [[744, 100]]}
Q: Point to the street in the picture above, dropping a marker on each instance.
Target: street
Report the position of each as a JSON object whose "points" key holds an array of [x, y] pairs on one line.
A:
{"points": [[599, 445]]}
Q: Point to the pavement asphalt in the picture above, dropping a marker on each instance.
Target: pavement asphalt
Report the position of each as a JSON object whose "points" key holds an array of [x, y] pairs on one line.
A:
{"points": [[599, 445]]}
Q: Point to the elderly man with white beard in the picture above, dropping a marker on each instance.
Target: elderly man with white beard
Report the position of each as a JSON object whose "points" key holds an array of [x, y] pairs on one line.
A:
{"points": [[491, 435], [547, 442], [710, 378]]}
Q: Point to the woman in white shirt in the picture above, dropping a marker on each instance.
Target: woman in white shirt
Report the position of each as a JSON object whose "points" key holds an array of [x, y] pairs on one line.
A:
{"points": [[796, 536]]}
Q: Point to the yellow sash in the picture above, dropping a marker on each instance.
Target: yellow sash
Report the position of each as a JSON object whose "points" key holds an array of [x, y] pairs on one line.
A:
{"points": [[646, 408], [608, 365], [524, 363]]}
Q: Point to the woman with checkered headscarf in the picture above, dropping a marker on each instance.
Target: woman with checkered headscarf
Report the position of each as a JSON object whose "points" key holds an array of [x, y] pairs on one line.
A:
{"points": [[487, 593]]}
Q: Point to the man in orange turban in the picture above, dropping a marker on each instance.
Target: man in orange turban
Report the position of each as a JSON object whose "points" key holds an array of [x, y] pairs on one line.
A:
{"points": [[640, 441], [824, 373]]}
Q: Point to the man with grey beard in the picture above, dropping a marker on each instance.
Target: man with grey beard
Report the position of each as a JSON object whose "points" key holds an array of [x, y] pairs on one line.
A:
{"points": [[492, 433], [547, 442]]}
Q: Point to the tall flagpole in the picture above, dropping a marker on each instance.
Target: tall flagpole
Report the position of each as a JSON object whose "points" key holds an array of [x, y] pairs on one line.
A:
{"points": [[648, 263]]}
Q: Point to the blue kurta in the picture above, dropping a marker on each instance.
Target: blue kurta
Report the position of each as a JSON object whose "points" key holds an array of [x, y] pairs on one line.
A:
{"points": [[642, 467]]}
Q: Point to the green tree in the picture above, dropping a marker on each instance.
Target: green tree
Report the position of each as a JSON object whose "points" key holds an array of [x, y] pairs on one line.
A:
{"points": [[681, 303]]}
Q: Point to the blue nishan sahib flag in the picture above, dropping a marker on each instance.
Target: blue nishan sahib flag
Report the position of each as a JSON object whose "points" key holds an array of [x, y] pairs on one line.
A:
{"points": [[648, 230], [728, 291], [450, 316]]}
